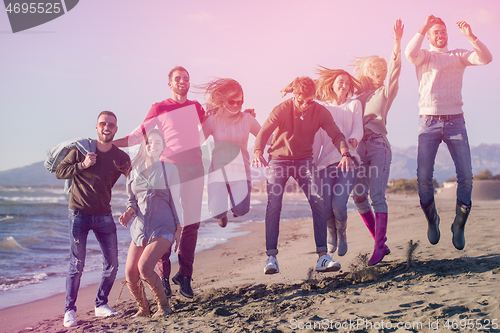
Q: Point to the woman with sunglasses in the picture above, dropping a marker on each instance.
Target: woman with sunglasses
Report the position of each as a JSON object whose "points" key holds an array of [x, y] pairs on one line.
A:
{"points": [[374, 149], [153, 189], [229, 176]]}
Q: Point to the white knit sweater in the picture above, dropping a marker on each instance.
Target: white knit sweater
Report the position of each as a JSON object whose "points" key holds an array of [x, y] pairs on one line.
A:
{"points": [[440, 74], [349, 119]]}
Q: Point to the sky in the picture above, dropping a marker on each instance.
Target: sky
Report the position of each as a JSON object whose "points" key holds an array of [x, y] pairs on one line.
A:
{"points": [[116, 54]]}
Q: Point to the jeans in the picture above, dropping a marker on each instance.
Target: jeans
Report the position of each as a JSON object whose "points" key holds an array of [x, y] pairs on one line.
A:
{"points": [[277, 176], [430, 134], [335, 187], [104, 229], [373, 173], [218, 198]]}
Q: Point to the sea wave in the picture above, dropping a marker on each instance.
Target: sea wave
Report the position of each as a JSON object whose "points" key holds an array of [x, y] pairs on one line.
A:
{"points": [[5, 218], [20, 281], [32, 200], [11, 244]]}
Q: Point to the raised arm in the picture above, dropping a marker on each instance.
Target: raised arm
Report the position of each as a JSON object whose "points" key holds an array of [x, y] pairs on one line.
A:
{"points": [[288, 88], [398, 34], [482, 55], [414, 52], [394, 67]]}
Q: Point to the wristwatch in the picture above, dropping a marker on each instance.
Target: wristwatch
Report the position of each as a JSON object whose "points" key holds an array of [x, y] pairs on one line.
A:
{"points": [[131, 214], [347, 154]]}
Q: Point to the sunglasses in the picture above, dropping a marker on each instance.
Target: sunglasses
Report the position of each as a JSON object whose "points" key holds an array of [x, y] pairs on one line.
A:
{"points": [[233, 102], [111, 126], [178, 79]]}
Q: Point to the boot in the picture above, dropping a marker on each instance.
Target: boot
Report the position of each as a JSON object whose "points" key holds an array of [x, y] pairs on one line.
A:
{"points": [[332, 235], [137, 291], [380, 250], [457, 228], [369, 220], [156, 286], [341, 237], [433, 219]]}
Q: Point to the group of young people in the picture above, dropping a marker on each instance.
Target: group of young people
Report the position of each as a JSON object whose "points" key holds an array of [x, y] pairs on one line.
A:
{"points": [[330, 136]]}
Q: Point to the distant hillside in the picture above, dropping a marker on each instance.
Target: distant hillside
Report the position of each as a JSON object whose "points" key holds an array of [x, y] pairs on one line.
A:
{"points": [[404, 165], [404, 162], [33, 175]]}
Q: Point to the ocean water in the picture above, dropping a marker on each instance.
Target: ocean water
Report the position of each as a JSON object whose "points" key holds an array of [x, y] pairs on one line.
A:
{"points": [[34, 239]]}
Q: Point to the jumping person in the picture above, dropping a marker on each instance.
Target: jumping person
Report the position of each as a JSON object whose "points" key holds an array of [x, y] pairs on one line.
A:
{"points": [[295, 123], [440, 75]]}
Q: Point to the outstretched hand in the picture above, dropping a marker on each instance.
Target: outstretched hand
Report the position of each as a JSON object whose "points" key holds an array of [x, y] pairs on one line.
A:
{"points": [[288, 88], [124, 219], [177, 237], [259, 160], [429, 22], [346, 164], [251, 112], [466, 30], [398, 29]]}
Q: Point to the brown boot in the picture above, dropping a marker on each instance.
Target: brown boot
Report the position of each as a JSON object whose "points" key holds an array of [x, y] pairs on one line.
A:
{"points": [[137, 290], [154, 282]]}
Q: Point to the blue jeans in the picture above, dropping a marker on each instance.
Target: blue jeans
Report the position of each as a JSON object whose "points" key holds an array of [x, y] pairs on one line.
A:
{"points": [[430, 134], [104, 229], [277, 176], [373, 173], [335, 186]]}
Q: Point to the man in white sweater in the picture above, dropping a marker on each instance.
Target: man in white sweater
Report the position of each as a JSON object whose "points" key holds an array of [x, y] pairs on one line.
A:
{"points": [[440, 73]]}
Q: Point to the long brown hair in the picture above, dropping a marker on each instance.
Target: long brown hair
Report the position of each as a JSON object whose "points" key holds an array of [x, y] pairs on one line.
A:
{"points": [[324, 84], [218, 91], [142, 154]]}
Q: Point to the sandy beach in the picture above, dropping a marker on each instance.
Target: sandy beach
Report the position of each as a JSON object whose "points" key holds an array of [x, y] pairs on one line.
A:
{"points": [[441, 289]]}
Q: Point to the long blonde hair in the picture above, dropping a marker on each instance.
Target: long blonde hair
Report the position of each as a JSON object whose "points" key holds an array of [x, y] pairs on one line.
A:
{"points": [[361, 67], [324, 84]]}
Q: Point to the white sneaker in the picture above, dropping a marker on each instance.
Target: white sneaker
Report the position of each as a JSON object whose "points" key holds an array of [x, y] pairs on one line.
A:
{"points": [[105, 311], [70, 318], [327, 264], [271, 266]]}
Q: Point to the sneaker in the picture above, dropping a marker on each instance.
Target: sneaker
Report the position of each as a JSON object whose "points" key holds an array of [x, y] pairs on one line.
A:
{"points": [[184, 282], [105, 311], [327, 264], [70, 318], [271, 266], [222, 221], [166, 286]]}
